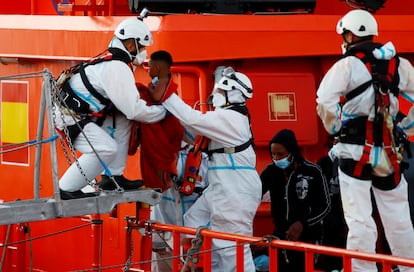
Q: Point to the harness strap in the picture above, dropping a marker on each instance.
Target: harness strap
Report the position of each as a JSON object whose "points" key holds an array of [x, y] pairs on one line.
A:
{"points": [[357, 91], [73, 131], [385, 74], [115, 54], [366, 151], [359, 166], [230, 150], [90, 88]]}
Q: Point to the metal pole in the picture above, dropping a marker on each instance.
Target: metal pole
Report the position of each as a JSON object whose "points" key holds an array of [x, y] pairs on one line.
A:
{"points": [[53, 150], [40, 124]]}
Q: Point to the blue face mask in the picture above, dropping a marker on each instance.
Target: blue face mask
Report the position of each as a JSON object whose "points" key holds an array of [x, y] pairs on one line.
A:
{"points": [[283, 163]]}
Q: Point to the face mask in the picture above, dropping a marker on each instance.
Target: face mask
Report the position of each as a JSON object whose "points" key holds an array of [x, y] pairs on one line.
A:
{"points": [[140, 58], [218, 100], [282, 163]]}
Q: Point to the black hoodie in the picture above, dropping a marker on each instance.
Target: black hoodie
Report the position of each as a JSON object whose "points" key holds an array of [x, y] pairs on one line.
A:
{"points": [[302, 196]]}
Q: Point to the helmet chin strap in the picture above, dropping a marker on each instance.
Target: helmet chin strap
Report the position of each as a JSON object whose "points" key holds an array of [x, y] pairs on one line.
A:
{"points": [[135, 52], [227, 99]]}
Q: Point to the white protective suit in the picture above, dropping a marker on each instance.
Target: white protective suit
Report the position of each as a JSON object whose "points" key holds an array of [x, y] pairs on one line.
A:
{"points": [[173, 204], [114, 80], [343, 77], [230, 201]]}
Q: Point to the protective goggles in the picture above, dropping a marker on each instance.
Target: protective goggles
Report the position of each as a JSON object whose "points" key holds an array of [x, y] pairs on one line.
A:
{"points": [[231, 74]]}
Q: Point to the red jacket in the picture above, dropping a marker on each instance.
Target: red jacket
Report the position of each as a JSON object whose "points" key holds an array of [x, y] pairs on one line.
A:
{"points": [[160, 143]]}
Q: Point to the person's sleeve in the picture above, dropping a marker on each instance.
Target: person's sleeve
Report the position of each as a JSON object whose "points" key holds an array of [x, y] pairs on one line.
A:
{"points": [[320, 198], [263, 178], [120, 87], [223, 126], [406, 86], [329, 93]]}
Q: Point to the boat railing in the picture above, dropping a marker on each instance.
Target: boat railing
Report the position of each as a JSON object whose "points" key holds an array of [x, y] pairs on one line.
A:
{"points": [[273, 245]]}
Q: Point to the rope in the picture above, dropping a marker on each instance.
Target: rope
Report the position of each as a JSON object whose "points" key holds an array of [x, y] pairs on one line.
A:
{"points": [[269, 239], [196, 244], [46, 235], [24, 145], [127, 265], [26, 75]]}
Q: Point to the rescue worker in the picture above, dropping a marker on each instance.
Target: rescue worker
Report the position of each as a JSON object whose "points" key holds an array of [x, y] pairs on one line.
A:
{"points": [[106, 145], [230, 201], [299, 198], [368, 142], [334, 226], [174, 202]]}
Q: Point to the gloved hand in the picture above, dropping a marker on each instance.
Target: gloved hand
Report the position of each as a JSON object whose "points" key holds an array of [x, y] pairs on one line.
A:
{"points": [[399, 131], [400, 137], [401, 140]]}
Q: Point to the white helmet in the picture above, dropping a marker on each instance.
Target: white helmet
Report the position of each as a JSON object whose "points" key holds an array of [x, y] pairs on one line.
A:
{"points": [[232, 80], [134, 28], [360, 22]]}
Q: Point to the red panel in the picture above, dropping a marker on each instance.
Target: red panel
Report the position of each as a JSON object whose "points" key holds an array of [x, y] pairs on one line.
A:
{"points": [[284, 100], [15, 156]]}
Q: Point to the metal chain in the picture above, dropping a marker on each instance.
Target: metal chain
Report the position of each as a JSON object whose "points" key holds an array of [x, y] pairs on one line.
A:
{"points": [[131, 252], [58, 103]]}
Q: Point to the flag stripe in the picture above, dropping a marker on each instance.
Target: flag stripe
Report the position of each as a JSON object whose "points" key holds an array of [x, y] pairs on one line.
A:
{"points": [[14, 110], [14, 125], [14, 91]]}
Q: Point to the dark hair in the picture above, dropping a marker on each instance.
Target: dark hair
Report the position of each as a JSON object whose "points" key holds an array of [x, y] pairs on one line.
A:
{"points": [[162, 55], [287, 138]]}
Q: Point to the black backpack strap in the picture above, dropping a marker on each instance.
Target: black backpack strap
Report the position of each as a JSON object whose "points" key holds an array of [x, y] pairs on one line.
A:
{"points": [[358, 90], [385, 71], [116, 54], [90, 88], [119, 54]]}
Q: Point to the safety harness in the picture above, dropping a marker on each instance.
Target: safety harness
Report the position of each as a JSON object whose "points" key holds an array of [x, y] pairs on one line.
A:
{"points": [[380, 132], [241, 108], [72, 100], [78, 106], [194, 157]]}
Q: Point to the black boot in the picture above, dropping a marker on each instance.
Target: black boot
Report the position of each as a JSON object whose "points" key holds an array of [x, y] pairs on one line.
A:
{"points": [[65, 195], [126, 184]]}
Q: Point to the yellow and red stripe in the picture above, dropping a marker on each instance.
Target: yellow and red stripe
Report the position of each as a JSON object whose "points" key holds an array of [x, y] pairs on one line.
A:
{"points": [[14, 120]]}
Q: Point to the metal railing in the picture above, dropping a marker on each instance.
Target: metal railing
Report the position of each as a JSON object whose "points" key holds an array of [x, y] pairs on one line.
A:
{"points": [[310, 250]]}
